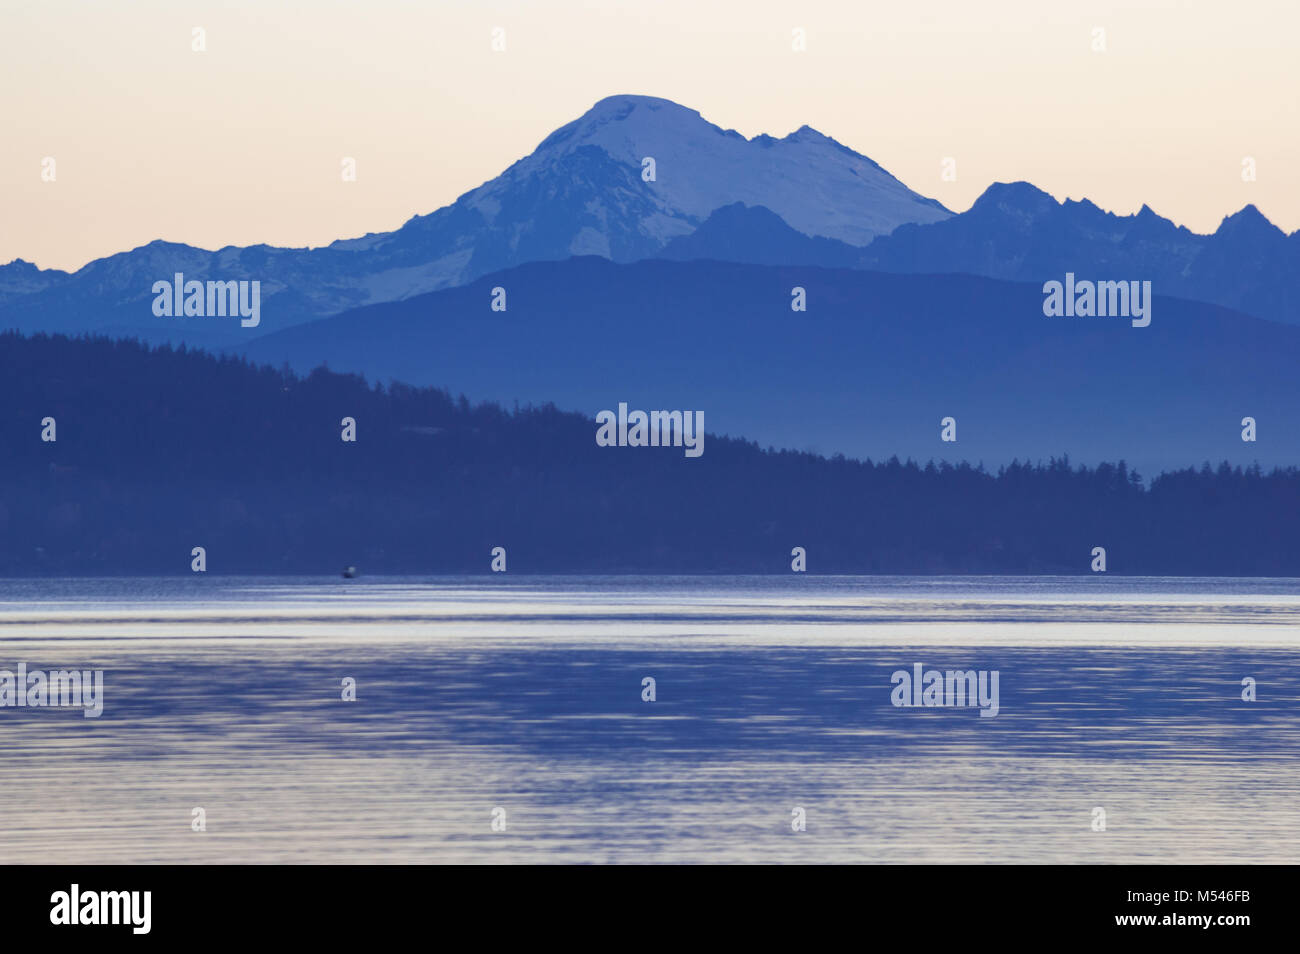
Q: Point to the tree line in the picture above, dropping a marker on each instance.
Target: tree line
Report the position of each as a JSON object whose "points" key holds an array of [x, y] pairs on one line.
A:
{"points": [[157, 450]]}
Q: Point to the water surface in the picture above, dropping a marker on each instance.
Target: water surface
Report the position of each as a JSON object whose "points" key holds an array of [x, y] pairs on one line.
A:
{"points": [[773, 693]]}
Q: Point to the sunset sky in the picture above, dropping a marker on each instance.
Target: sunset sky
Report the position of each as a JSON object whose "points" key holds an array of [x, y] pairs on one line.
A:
{"points": [[242, 143]]}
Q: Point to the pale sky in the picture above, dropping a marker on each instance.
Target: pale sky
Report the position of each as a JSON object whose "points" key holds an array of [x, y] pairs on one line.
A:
{"points": [[242, 144]]}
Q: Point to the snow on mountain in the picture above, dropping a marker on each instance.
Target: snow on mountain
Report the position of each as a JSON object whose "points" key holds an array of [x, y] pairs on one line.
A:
{"points": [[581, 192], [816, 185]]}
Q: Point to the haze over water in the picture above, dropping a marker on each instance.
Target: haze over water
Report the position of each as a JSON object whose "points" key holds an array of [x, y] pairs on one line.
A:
{"points": [[773, 693]]}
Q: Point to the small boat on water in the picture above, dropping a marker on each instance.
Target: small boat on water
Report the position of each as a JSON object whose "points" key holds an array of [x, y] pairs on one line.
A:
{"points": [[349, 572]]}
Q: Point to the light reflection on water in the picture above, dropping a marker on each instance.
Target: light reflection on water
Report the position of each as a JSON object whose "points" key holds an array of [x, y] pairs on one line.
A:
{"points": [[773, 692]]}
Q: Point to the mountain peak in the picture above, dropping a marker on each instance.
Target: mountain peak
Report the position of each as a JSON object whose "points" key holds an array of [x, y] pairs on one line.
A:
{"points": [[622, 106], [662, 168], [21, 277], [20, 266], [625, 101], [623, 109], [806, 133], [1085, 204], [1248, 221], [757, 235], [1018, 198], [1019, 191]]}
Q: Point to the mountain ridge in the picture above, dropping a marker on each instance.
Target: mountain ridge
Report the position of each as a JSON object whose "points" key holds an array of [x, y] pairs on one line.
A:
{"points": [[262, 481], [1017, 232], [581, 191], [869, 370]]}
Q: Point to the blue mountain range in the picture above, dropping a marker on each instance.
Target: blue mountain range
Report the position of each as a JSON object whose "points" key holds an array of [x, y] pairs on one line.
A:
{"points": [[649, 255]]}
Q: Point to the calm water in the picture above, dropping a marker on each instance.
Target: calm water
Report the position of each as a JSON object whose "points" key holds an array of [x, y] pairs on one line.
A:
{"points": [[524, 693]]}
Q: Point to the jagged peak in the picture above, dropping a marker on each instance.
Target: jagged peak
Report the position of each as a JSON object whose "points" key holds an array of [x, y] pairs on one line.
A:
{"points": [[1248, 219], [1153, 223], [806, 133], [21, 265]]}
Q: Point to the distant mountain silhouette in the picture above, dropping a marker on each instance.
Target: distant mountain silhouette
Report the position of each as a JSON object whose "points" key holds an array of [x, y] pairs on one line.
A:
{"points": [[158, 452], [756, 235], [799, 200], [1018, 232], [20, 278], [869, 370], [581, 192]]}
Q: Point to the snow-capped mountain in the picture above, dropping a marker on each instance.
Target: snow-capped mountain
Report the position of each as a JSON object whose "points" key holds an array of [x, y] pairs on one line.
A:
{"points": [[585, 190], [816, 185]]}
